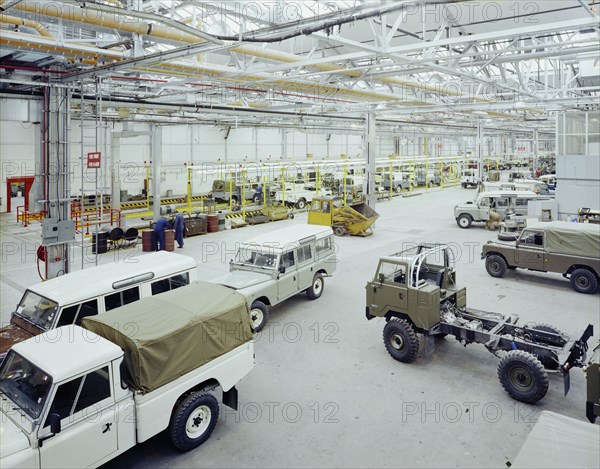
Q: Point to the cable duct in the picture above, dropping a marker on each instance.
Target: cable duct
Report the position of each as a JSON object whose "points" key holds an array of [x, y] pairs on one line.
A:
{"points": [[128, 21]]}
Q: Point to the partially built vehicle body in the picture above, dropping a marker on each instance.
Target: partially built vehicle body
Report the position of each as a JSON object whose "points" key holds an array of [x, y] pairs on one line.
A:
{"points": [[81, 396], [478, 210], [570, 249], [230, 191], [416, 292]]}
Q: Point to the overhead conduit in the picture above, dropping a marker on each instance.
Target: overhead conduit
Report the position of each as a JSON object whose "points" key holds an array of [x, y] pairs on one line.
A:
{"points": [[125, 21], [50, 45], [27, 23]]}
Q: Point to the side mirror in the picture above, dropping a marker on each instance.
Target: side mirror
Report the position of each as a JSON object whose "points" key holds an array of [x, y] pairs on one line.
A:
{"points": [[282, 269], [55, 426]]}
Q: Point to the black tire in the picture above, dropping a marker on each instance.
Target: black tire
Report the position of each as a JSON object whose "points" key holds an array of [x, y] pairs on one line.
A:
{"points": [[339, 231], [399, 190], [193, 421], [316, 289], [234, 199], [300, 204], [548, 362], [400, 340], [256, 199], [463, 185], [523, 377], [259, 315], [584, 281], [495, 265], [464, 221]]}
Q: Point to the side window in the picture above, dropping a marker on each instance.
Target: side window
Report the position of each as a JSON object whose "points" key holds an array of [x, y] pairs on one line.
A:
{"points": [[502, 202], [304, 254], [64, 399], [89, 308], [533, 239], [96, 388], [171, 283], [74, 314], [114, 300], [160, 286], [68, 315], [322, 245], [287, 259], [392, 273], [521, 202], [80, 393]]}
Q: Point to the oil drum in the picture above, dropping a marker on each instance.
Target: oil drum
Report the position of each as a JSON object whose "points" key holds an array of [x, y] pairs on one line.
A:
{"points": [[169, 240], [147, 240], [213, 223]]}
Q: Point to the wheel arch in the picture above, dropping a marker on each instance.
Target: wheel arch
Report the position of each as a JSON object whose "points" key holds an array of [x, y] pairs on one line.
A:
{"points": [[398, 315], [207, 385], [582, 266], [262, 299]]}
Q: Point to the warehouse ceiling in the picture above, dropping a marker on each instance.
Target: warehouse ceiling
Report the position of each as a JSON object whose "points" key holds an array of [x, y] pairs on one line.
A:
{"points": [[510, 64]]}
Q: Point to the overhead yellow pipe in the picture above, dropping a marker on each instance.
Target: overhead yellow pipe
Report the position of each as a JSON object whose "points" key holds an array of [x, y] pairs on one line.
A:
{"points": [[28, 23], [24, 40], [126, 23]]}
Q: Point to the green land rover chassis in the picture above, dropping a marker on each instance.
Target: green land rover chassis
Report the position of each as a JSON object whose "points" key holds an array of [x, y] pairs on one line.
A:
{"points": [[415, 291]]}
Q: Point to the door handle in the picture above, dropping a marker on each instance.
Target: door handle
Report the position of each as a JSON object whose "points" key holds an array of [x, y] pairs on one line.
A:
{"points": [[106, 427], [294, 278], [401, 296]]}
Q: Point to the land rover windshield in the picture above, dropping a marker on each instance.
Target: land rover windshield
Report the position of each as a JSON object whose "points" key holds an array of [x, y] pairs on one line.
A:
{"points": [[249, 257], [37, 310], [24, 383]]}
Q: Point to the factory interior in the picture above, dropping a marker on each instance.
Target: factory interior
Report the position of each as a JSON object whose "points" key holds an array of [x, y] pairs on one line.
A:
{"points": [[213, 213]]}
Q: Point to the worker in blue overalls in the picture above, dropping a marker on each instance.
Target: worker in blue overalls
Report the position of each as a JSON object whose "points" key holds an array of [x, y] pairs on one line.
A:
{"points": [[158, 240], [179, 228]]}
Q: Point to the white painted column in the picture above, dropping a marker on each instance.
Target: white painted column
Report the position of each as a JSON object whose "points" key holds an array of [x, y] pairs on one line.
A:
{"points": [[156, 147], [370, 155]]}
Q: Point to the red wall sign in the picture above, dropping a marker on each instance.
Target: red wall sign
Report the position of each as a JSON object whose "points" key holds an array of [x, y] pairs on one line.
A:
{"points": [[93, 160]]}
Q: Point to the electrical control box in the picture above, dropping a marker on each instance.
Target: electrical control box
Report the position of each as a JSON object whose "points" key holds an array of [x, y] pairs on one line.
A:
{"points": [[55, 232]]}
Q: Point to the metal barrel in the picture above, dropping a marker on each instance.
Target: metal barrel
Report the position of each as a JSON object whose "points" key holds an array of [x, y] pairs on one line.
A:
{"points": [[147, 240], [213, 223], [169, 240]]}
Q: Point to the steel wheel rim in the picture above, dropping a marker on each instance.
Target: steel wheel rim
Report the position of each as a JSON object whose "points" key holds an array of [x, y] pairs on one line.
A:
{"points": [[318, 285], [495, 266], [521, 378], [582, 281], [397, 341], [463, 221], [198, 421], [256, 316]]}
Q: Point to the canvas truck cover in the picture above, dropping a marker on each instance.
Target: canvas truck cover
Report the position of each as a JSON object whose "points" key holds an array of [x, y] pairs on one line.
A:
{"points": [[168, 335], [579, 239]]}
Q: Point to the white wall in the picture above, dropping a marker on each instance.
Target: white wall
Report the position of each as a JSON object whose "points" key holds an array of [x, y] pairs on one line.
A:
{"points": [[578, 183], [19, 138]]}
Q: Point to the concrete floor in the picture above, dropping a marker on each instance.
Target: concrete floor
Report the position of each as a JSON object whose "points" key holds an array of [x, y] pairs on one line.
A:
{"points": [[325, 393]]}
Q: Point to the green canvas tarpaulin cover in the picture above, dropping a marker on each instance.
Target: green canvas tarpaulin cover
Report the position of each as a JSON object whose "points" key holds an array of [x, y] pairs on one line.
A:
{"points": [[579, 239], [168, 335]]}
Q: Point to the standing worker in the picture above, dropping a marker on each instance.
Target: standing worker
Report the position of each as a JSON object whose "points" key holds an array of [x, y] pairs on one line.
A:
{"points": [[158, 240], [179, 227]]}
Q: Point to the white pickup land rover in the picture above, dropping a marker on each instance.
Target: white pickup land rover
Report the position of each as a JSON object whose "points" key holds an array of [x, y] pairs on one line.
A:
{"points": [[80, 396]]}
